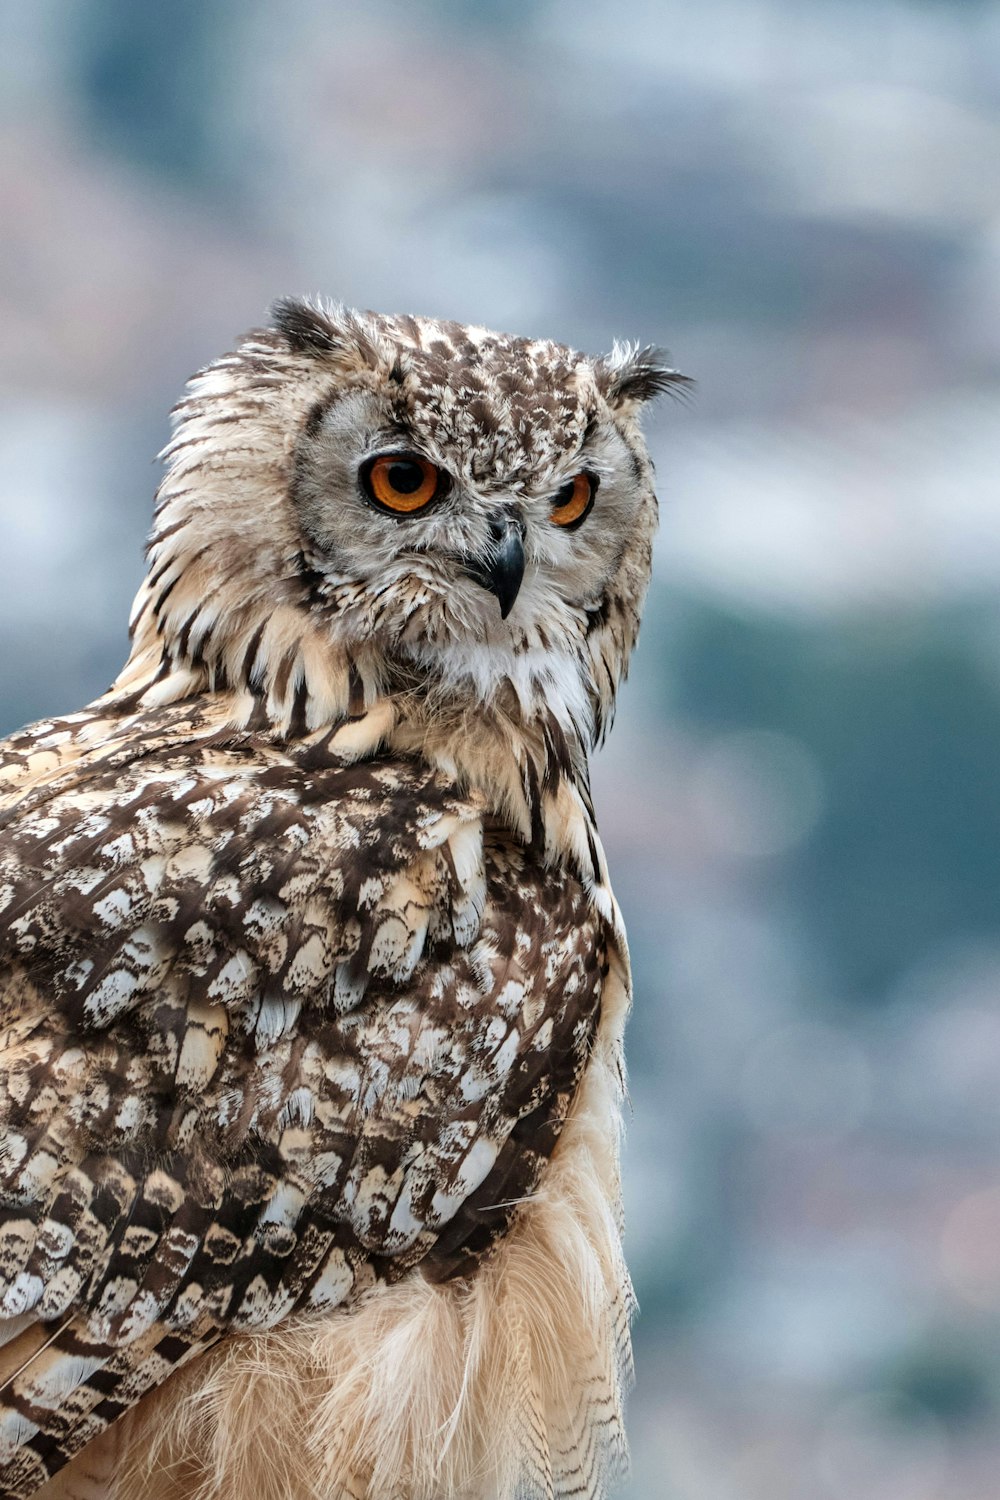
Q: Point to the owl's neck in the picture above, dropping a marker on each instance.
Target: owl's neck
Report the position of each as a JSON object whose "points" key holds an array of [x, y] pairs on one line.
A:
{"points": [[515, 734]]}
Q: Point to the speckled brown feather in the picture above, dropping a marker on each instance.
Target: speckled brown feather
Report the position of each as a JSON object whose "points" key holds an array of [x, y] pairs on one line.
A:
{"points": [[280, 1032], [311, 981]]}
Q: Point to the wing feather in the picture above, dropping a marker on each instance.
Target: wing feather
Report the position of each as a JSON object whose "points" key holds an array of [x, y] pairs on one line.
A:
{"points": [[279, 1029]]}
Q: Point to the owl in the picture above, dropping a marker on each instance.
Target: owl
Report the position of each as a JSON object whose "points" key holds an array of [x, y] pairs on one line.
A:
{"points": [[312, 983]]}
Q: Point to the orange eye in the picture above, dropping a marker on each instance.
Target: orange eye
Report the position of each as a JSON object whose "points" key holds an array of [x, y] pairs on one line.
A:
{"points": [[401, 482], [574, 501]]}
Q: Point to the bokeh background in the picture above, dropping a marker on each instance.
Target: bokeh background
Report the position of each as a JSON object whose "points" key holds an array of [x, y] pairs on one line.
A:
{"points": [[801, 198]]}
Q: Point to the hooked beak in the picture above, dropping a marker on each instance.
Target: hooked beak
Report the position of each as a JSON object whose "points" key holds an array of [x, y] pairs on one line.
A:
{"points": [[501, 569]]}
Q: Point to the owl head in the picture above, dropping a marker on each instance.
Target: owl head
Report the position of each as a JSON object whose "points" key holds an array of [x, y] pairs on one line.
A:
{"points": [[363, 504]]}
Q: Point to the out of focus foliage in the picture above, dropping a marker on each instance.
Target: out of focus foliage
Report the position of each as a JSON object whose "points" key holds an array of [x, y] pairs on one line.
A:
{"points": [[901, 719]]}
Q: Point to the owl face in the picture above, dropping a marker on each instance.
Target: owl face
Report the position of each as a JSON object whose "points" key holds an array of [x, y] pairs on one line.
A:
{"points": [[473, 509], [479, 494], [452, 544]]}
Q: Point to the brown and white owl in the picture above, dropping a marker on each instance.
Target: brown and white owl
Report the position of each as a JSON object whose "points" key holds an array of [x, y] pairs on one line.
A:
{"points": [[312, 984]]}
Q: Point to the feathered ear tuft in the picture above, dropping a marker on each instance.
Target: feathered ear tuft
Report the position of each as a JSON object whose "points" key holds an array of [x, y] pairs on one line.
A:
{"points": [[630, 376], [309, 328]]}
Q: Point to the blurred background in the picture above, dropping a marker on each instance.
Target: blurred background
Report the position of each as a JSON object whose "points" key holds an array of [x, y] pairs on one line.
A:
{"points": [[801, 198]]}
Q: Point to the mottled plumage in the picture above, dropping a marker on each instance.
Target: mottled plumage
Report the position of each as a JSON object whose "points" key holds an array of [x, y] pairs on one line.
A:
{"points": [[311, 980]]}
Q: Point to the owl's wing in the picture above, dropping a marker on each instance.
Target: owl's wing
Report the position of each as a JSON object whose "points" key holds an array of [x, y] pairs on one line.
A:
{"points": [[274, 1028]]}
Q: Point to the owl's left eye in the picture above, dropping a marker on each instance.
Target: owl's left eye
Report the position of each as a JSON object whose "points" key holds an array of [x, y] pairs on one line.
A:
{"points": [[574, 502], [401, 482]]}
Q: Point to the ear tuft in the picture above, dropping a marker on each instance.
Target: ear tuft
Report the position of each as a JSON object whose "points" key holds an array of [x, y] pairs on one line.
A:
{"points": [[307, 327], [630, 376]]}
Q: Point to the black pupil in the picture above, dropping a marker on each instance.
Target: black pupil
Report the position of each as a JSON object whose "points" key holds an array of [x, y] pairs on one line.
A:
{"points": [[405, 476], [565, 495]]}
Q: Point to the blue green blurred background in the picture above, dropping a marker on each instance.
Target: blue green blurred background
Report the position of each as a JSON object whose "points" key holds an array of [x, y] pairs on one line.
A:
{"points": [[801, 198]]}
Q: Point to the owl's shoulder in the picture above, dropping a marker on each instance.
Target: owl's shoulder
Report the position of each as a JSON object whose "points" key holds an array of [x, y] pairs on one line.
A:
{"points": [[270, 871], [255, 978]]}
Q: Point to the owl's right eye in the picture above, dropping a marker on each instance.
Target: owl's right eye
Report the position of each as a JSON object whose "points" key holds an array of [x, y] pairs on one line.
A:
{"points": [[401, 483], [574, 502]]}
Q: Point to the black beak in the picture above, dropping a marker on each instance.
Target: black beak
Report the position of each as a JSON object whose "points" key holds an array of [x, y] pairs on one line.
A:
{"points": [[501, 569]]}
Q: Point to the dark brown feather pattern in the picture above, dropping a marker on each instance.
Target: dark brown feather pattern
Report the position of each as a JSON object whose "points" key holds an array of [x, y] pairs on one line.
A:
{"points": [[276, 1033]]}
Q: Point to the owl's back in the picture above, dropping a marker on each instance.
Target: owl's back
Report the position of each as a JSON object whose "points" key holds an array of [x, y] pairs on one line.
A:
{"points": [[278, 1028]]}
